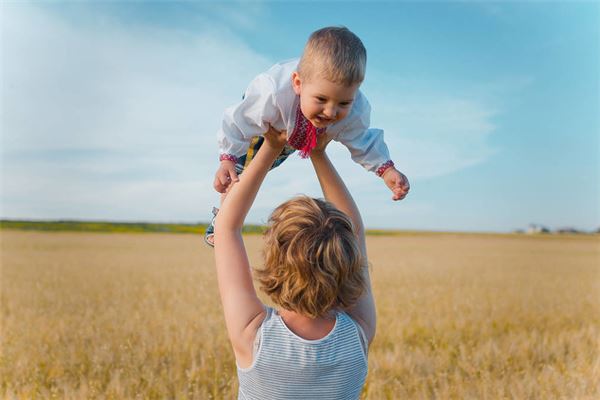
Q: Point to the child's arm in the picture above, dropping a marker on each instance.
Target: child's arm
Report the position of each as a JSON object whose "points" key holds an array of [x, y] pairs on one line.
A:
{"points": [[335, 191], [241, 305], [368, 148]]}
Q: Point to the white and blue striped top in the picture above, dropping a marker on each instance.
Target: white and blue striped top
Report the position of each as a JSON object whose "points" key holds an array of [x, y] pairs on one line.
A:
{"points": [[286, 366]]}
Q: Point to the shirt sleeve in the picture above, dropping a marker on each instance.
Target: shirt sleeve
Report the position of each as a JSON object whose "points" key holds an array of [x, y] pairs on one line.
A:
{"points": [[249, 118], [365, 144]]}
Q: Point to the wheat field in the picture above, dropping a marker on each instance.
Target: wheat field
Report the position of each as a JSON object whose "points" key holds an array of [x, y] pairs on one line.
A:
{"points": [[137, 316]]}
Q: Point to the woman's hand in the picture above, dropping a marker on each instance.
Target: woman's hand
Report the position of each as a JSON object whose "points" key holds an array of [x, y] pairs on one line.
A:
{"points": [[275, 139], [322, 142]]}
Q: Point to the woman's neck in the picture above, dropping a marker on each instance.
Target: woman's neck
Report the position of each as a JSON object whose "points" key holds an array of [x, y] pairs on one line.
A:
{"points": [[307, 327]]}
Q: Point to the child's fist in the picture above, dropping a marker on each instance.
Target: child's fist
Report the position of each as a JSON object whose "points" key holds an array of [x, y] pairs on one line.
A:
{"points": [[397, 182], [225, 176]]}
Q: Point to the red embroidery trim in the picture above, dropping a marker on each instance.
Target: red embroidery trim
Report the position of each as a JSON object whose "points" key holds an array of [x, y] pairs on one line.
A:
{"points": [[304, 136], [310, 141], [229, 157], [384, 167]]}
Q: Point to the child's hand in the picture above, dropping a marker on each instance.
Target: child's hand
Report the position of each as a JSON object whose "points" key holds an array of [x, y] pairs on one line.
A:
{"points": [[275, 139], [397, 182], [225, 176]]}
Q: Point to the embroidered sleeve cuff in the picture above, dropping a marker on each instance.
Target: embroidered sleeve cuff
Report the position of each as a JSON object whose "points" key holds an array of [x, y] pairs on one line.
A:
{"points": [[229, 157], [384, 167]]}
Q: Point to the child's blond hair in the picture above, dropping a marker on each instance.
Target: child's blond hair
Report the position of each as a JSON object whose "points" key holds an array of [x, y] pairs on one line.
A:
{"points": [[335, 54], [312, 260]]}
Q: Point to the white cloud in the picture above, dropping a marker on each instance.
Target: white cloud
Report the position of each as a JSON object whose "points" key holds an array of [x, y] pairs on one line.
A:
{"points": [[118, 121], [115, 87], [432, 134], [126, 111]]}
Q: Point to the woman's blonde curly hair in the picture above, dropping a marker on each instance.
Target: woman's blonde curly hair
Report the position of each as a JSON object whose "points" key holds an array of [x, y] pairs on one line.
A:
{"points": [[313, 263]]}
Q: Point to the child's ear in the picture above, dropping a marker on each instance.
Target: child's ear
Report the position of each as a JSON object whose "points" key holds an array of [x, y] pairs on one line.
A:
{"points": [[296, 83]]}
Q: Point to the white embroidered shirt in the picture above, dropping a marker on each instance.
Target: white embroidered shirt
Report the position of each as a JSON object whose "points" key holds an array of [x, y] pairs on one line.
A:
{"points": [[271, 100]]}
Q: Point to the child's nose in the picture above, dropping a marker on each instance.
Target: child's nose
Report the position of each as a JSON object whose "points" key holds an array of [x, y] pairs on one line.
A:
{"points": [[330, 112]]}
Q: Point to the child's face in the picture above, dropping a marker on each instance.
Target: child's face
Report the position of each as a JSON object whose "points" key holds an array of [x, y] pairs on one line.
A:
{"points": [[323, 102]]}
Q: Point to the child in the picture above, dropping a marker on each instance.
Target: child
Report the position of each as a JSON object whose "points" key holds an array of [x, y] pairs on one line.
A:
{"points": [[317, 95], [315, 344]]}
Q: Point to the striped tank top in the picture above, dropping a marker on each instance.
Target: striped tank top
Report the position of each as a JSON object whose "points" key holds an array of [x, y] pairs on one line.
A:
{"points": [[286, 366]]}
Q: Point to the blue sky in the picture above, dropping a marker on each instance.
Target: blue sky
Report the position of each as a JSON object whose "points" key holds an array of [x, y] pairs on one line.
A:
{"points": [[110, 109]]}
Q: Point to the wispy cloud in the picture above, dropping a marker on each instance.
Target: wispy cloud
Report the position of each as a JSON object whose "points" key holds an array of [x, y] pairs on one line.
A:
{"points": [[434, 134], [103, 109], [116, 121], [245, 15]]}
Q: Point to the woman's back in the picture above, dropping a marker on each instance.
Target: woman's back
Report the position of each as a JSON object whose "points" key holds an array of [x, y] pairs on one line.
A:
{"points": [[287, 366]]}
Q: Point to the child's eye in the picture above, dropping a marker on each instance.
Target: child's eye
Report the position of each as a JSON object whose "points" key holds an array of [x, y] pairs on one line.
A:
{"points": [[345, 104], [321, 99]]}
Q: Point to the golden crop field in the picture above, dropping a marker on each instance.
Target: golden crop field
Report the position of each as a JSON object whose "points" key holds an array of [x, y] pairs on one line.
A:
{"points": [[123, 316]]}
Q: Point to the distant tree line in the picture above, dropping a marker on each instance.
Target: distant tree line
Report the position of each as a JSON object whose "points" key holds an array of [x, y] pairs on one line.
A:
{"points": [[114, 227]]}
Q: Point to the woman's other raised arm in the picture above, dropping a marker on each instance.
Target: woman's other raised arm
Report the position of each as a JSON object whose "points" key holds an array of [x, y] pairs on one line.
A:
{"points": [[335, 192]]}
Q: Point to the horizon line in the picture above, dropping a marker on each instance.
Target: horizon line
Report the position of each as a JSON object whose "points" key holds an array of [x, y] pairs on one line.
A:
{"points": [[253, 227]]}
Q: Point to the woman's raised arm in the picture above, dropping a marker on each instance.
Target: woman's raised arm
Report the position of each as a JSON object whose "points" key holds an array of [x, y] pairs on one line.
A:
{"points": [[335, 192], [241, 305]]}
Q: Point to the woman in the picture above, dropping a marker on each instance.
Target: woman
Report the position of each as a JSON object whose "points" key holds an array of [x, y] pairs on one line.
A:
{"points": [[315, 343]]}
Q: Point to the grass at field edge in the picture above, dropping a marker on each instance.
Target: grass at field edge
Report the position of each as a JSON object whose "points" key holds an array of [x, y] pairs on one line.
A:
{"points": [[200, 228]]}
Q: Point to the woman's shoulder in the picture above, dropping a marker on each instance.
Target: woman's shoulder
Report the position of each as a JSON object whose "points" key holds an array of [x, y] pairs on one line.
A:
{"points": [[244, 346], [360, 330]]}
